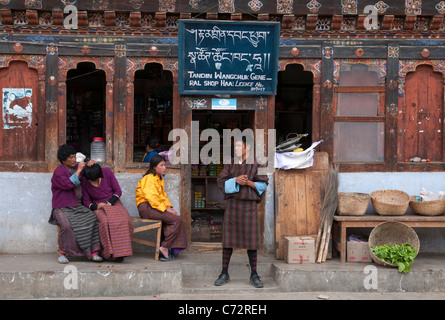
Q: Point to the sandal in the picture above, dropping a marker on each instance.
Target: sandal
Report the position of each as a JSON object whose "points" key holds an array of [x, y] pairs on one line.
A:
{"points": [[97, 258], [62, 259], [170, 258], [163, 258]]}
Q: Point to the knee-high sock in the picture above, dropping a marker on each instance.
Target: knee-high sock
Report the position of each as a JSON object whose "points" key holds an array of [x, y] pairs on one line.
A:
{"points": [[226, 254], [252, 254]]}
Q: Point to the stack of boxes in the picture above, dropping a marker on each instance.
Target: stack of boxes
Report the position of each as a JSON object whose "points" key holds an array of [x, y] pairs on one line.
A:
{"points": [[199, 200]]}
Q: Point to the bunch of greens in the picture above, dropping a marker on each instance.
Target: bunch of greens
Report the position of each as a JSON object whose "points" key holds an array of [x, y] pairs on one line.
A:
{"points": [[400, 255]]}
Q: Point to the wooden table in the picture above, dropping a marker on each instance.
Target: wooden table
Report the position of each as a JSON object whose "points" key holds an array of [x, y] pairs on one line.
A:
{"points": [[341, 223]]}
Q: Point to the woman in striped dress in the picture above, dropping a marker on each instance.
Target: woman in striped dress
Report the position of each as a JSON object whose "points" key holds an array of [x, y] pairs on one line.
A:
{"points": [[79, 231], [153, 203], [101, 193], [243, 189]]}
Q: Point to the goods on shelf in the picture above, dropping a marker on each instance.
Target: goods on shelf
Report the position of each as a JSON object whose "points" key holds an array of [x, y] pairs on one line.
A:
{"points": [[199, 200]]}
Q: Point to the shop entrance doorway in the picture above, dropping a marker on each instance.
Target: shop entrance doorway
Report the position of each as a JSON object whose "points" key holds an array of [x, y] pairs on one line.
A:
{"points": [[293, 104], [208, 204], [85, 114], [153, 109]]}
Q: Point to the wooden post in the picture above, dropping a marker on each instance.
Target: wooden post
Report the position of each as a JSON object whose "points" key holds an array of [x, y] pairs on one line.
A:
{"points": [[261, 122], [109, 94], [61, 108], [119, 107], [130, 122], [185, 177], [327, 106], [391, 134], [51, 106]]}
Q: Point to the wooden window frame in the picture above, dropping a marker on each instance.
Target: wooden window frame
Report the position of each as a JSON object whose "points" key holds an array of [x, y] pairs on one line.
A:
{"points": [[355, 166]]}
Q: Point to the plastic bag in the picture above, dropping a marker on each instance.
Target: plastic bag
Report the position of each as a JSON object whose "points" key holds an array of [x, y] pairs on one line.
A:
{"points": [[296, 160], [430, 195]]}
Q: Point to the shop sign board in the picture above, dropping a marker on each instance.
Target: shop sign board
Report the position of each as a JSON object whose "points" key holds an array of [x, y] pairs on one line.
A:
{"points": [[228, 57]]}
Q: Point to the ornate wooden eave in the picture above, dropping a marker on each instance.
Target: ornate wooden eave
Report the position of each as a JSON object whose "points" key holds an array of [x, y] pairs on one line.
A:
{"points": [[197, 7], [162, 24], [310, 18]]}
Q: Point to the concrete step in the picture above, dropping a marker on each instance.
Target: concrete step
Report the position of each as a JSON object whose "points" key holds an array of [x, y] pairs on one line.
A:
{"points": [[197, 285], [200, 274], [426, 275], [40, 276]]}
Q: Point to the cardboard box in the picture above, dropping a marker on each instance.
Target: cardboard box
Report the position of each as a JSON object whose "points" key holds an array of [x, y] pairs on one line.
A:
{"points": [[357, 251], [299, 250], [201, 233]]}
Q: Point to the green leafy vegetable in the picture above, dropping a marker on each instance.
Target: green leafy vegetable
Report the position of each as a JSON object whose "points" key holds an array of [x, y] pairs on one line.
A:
{"points": [[400, 255]]}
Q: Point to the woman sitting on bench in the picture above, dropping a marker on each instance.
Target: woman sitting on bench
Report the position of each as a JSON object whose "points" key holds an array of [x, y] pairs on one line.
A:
{"points": [[101, 193], [153, 203], [79, 230]]}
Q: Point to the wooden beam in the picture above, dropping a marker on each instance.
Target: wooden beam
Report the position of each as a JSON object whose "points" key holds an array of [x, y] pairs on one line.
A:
{"points": [[436, 21], [135, 19], [236, 16], [263, 16], [31, 16], [311, 21], [212, 16], [57, 17], [185, 15], [387, 22], [160, 18], [6, 17], [82, 18], [409, 22], [360, 22], [288, 21], [110, 18], [336, 22]]}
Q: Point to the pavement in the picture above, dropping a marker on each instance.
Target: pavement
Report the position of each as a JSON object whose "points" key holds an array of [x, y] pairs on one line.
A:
{"points": [[191, 275]]}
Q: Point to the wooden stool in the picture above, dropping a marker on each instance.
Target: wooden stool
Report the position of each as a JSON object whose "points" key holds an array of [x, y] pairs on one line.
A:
{"points": [[153, 224]]}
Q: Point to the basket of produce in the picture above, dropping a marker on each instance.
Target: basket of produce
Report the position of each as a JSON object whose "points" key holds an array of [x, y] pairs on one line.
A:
{"points": [[427, 208], [352, 203], [390, 202], [394, 244]]}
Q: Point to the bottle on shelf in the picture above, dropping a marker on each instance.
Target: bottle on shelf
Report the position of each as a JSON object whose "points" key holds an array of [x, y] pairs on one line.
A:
{"points": [[98, 149]]}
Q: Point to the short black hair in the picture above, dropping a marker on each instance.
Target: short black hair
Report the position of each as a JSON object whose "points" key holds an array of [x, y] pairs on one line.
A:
{"points": [[65, 150], [93, 172], [244, 140]]}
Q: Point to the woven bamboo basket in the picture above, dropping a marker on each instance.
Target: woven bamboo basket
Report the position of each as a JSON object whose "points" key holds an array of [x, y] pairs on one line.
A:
{"points": [[427, 208], [352, 203], [390, 202], [392, 232]]}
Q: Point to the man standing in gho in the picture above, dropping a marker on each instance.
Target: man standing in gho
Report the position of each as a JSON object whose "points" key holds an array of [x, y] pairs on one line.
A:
{"points": [[243, 189]]}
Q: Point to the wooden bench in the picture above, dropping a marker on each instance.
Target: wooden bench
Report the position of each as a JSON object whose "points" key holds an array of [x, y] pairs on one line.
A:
{"points": [[341, 223], [150, 224]]}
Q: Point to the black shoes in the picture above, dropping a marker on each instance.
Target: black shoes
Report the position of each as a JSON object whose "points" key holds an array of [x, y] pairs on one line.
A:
{"points": [[222, 279], [225, 278], [255, 281]]}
